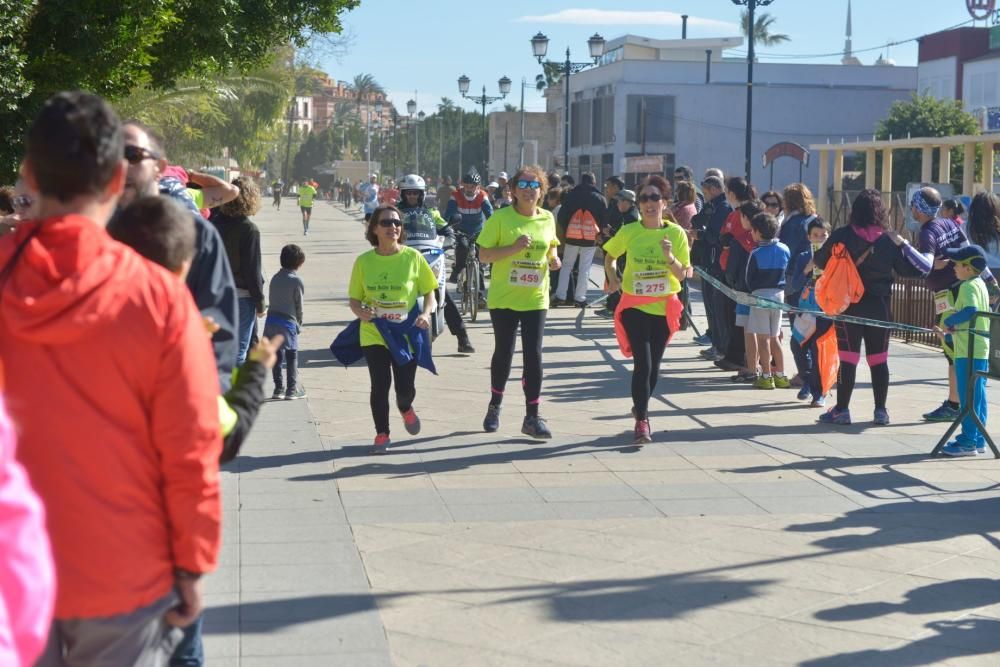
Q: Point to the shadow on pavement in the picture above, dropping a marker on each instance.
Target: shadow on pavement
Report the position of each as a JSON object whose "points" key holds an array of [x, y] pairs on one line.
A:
{"points": [[246, 463]]}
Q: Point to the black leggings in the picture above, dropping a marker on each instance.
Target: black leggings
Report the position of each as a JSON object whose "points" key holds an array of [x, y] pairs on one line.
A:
{"points": [[647, 334], [505, 323], [876, 340], [382, 368]]}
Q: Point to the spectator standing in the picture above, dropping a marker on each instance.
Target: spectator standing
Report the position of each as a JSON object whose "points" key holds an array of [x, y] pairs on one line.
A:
{"points": [[709, 236], [879, 256], [580, 219], [983, 227], [765, 278], [284, 317], [241, 238], [444, 193]]}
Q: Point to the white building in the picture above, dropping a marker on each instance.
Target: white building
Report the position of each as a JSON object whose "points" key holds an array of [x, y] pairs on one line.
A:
{"points": [[303, 114], [683, 100]]}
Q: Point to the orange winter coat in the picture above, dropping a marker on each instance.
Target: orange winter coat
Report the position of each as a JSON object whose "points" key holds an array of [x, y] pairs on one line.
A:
{"points": [[111, 382]]}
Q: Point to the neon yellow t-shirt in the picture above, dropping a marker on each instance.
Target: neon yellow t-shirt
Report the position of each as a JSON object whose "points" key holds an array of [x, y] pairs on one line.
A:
{"points": [[646, 270], [390, 284], [306, 194], [972, 294], [520, 282], [198, 196]]}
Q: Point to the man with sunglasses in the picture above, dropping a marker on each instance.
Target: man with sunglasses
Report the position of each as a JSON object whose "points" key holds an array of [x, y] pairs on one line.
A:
{"points": [[424, 225], [211, 278]]}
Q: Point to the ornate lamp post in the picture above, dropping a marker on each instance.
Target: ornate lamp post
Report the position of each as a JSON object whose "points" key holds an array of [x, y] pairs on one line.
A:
{"points": [[751, 6], [484, 99], [368, 131], [539, 47]]}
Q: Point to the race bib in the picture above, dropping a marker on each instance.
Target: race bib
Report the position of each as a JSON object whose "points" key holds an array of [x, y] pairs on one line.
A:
{"points": [[942, 302], [393, 311], [649, 283], [525, 274]]}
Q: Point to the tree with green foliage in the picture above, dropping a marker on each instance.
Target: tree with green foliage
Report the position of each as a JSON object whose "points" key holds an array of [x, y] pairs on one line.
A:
{"points": [[114, 48], [924, 116], [762, 24]]}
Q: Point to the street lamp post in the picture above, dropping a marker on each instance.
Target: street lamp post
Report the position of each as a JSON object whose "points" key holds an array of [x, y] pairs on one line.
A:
{"points": [[411, 108], [484, 99], [751, 6], [368, 131], [539, 47], [440, 146]]}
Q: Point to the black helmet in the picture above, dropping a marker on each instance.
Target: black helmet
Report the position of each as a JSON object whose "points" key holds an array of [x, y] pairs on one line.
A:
{"points": [[472, 177]]}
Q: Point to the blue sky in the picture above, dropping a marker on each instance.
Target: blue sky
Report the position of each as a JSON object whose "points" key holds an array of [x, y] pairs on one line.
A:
{"points": [[425, 47]]}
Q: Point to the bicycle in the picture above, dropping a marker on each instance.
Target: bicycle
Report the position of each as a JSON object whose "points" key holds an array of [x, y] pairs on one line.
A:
{"points": [[468, 278]]}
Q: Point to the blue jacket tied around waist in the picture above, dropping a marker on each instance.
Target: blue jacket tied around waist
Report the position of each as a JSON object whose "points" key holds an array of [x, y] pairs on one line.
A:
{"points": [[405, 341]]}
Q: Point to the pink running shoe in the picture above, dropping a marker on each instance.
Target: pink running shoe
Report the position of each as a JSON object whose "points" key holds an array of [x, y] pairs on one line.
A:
{"points": [[411, 421], [382, 443], [642, 435]]}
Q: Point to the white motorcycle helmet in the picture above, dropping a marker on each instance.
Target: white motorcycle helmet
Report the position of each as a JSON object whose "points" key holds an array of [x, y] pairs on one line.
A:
{"points": [[411, 182]]}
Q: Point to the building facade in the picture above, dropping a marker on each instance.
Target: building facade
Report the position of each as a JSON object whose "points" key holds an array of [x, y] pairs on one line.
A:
{"points": [[540, 130], [685, 101]]}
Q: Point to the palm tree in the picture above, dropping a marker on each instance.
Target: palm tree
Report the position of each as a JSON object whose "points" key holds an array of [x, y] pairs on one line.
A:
{"points": [[551, 74], [762, 29], [364, 87], [445, 105]]}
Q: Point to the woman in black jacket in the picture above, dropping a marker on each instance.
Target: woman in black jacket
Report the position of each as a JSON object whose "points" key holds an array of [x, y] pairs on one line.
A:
{"points": [[242, 241], [879, 255]]}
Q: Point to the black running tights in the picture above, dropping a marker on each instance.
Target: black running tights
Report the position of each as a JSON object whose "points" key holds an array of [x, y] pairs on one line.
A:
{"points": [[647, 334], [382, 369]]}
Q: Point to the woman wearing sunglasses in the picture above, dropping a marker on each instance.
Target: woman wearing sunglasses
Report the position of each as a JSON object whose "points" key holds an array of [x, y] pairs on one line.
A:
{"points": [[385, 284], [520, 241], [649, 313]]}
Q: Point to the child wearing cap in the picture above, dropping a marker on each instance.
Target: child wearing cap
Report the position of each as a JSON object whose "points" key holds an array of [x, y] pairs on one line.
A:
{"points": [[972, 297]]}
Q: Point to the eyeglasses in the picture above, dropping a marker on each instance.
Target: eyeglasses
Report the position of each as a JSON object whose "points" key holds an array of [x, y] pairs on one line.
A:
{"points": [[525, 184], [390, 222], [772, 204], [136, 154], [22, 201], [646, 198]]}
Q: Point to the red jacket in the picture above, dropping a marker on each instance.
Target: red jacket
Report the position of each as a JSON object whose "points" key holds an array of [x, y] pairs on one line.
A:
{"points": [[111, 381]]}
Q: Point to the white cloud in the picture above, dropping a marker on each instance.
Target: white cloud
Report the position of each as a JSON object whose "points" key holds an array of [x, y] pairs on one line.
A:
{"points": [[624, 17]]}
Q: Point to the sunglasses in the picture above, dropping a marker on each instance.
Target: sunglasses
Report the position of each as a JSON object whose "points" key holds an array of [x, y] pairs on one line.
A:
{"points": [[524, 184], [22, 201], [390, 222], [135, 154], [772, 204], [645, 198]]}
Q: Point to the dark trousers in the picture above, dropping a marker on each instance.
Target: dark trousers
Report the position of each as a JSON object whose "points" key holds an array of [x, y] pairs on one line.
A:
{"points": [[462, 249], [803, 356], [452, 317], [722, 320], [382, 369], [505, 325], [289, 359], [647, 334]]}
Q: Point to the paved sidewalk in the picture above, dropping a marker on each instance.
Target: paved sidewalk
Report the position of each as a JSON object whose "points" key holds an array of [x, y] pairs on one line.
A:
{"points": [[746, 532]]}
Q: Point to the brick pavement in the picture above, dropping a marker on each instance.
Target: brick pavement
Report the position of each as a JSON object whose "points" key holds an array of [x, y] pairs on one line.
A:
{"points": [[744, 533]]}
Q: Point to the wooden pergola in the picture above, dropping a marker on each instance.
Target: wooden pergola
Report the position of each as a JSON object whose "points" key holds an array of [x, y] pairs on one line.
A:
{"points": [[927, 146]]}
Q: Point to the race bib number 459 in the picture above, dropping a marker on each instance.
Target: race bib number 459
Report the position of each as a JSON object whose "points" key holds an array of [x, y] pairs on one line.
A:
{"points": [[525, 274]]}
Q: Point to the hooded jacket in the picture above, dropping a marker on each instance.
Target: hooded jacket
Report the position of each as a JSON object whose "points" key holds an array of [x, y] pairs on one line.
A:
{"points": [[582, 198], [112, 384]]}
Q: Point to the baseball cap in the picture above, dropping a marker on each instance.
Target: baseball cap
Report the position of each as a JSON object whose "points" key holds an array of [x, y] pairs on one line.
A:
{"points": [[970, 254], [493, 184], [503, 175], [713, 181], [626, 195]]}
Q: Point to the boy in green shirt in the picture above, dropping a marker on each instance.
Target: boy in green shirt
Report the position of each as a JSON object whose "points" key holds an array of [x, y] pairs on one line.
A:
{"points": [[972, 298]]}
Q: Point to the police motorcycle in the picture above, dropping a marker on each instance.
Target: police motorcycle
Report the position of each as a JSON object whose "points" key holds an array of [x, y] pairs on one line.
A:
{"points": [[422, 234]]}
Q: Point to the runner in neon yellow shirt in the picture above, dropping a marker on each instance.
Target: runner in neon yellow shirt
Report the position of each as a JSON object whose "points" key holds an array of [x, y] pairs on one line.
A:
{"points": [[657, 259], [385, 283], [306, 195], [520, 241]]}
